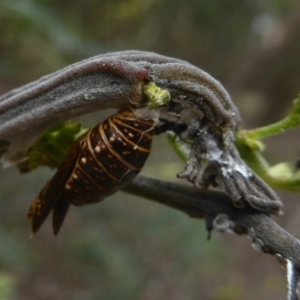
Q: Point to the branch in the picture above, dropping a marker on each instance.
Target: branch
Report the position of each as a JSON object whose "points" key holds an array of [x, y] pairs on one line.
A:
{"points": [[221, 214]]}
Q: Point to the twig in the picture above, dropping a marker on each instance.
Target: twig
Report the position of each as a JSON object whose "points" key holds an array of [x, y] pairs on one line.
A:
{"points": [[221, 214], [213, 203]]}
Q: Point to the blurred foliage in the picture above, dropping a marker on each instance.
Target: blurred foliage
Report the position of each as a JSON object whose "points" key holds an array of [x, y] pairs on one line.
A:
{"points": [[6, 287], [127, 248]]}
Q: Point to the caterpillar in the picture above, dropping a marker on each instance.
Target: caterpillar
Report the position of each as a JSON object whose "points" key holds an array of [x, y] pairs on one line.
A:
{"points": [[100, 163]]}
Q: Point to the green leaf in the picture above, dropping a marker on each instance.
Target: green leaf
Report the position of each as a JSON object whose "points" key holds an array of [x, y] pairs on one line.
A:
{"points": [[52, 146]]}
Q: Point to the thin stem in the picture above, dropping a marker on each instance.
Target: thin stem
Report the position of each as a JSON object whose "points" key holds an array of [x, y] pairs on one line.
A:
{"points": [[281, 176], [177, 146], [289, 122]]}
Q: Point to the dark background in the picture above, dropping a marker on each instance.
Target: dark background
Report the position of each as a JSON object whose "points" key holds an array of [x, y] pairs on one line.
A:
{"points": [[127, 247]]}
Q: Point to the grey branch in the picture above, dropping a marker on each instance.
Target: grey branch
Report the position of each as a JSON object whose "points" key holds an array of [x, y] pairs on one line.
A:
{"points": [[213, 203], [220, 214]]}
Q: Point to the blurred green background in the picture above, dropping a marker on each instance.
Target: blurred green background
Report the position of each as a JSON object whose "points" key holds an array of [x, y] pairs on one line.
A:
{"points": [[127, 247]]}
